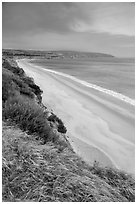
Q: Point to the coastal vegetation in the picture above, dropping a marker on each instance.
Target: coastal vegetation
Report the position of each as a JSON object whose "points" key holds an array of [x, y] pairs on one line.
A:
{"points": [[39, 164]]}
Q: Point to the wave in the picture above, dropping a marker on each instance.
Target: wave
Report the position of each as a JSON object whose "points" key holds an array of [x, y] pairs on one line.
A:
{"points": [[93, 86]]}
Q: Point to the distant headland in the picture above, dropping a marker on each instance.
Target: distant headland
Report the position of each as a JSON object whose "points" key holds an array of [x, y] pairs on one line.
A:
{"points": [[55, 54]]}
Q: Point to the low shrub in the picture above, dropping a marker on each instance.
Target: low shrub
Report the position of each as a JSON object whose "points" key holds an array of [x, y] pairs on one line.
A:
{"points": [[15, 70], [61, 128], [24, 84], [23, 87], [8, 87], [27, 115], [11, 84], [36, 89]]}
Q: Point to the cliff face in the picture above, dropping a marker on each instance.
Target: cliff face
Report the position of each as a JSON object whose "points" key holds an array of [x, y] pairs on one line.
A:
{"points": [[39, 164]]}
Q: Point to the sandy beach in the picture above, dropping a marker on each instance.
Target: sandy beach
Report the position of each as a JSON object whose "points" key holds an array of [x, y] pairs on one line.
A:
{"points": [[99, 127]]}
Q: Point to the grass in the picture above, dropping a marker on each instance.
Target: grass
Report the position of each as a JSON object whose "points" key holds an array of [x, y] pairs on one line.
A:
{"points": [[117, 179], [33, 172]]}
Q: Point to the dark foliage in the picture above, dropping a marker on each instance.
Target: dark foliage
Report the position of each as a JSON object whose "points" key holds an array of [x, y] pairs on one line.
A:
{"points": [[18, 81], [36, 89], [11, 84], [8, 87], [55, 119], [15, 70], [27, 115]]}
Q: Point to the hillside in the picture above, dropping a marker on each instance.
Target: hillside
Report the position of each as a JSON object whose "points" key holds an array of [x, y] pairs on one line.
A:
{"points": [[55, 54], [39, 164]]}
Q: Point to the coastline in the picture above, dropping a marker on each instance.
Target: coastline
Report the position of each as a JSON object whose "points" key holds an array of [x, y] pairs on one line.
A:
{"points": [[93, 86], [85, 112]]}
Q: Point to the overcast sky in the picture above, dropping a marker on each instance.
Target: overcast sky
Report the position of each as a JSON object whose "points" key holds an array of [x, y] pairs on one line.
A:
{"points": [[95, 27]]}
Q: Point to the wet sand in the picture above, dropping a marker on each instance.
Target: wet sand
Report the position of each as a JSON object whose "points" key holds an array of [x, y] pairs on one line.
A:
{"points": [[100, 127]]}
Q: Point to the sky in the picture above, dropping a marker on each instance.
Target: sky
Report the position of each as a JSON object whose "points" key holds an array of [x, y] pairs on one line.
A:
{"points": [[105, 27]]}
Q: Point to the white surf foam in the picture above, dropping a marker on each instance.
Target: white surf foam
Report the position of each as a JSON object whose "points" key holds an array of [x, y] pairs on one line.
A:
{"points": [[93, 86]]}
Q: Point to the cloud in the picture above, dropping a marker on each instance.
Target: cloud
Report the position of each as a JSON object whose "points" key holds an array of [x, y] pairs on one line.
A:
{"points": [[36, 17], [100, 27], [113, 18], [116, 19]]}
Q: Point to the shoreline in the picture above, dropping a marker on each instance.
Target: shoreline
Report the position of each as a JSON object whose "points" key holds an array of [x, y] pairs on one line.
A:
{"points": [[83, 116], [93, 86]]}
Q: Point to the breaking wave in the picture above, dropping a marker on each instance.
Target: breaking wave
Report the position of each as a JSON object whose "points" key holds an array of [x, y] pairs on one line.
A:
{"points": [[93, 86]]}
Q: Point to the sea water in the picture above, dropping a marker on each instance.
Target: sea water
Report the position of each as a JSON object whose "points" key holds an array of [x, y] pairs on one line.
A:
{"points": [[115, 76]]}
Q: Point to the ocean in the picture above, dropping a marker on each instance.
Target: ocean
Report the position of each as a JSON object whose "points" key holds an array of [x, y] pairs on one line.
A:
{"points": [[116, 74]]}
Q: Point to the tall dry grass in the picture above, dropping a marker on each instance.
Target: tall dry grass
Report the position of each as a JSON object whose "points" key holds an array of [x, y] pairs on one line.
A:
{"points": [[27, 115], [33, 172]]}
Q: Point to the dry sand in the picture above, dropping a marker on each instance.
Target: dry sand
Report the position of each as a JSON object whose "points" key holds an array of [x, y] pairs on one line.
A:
{"points": [[100, 127]]}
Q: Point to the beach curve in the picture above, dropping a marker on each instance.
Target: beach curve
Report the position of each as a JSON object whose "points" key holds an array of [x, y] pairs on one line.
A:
{"points": [[88, 123]]}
